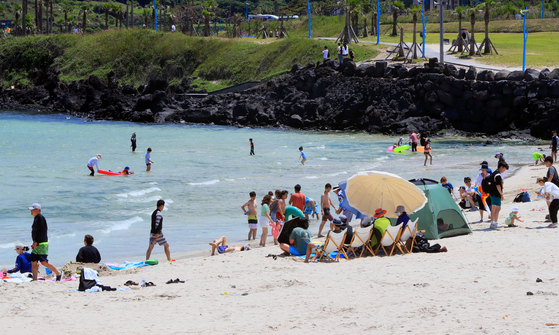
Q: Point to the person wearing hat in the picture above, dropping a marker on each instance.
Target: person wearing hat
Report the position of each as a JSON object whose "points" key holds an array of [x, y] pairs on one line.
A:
{"points": [[403, 217], [23, 260], [509, 221], [94, 161], [551, 193], [400, 141], [347, 227], [40, 245], [126, 171], [379, 225], [487, 164], [341, 198], [485, 171]]}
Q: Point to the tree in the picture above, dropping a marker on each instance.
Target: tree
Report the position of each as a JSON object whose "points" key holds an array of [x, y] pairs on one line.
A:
{"points": [[459, 11], [17, 13], [397, 6], [61, 24], [66, 9], [487, 6], [84, 9], [471, 12], [116, 9], [208, 13], [107, 7], [414, 47], [146, 14]]}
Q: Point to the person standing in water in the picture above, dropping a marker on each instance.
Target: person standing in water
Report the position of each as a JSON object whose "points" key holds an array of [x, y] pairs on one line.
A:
{"points": [[148, 160], [251, 147], [40, 245], [302, 156], [156, 232], [133, 140], [94, 162], [427, 151]]}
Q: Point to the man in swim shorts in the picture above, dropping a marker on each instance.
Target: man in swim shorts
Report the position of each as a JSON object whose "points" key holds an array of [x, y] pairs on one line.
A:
{"points": [[311, 208], [325, 203], [40, 245], [252, 215], [94, 162], [220, 245], [156, 233]]}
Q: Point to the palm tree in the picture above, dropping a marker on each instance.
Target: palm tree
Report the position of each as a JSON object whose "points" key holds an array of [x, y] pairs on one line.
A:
{"points": [[397, 6], [107, 7], [459, 11], [115, 9], [24, 17], [84, 9], [61, 24], [414, 10], [146, 14], [209, 7], [471, 12], [17, 12], [66, 9], [486, 7], [120, 16]]}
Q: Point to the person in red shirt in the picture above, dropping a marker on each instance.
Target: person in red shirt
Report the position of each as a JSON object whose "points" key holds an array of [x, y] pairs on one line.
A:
{"points": [[298, 199]]}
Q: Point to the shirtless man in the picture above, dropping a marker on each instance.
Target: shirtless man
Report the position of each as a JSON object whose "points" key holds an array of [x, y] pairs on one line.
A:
{"points": [[222, 247], [325, 203], [251, 213]]}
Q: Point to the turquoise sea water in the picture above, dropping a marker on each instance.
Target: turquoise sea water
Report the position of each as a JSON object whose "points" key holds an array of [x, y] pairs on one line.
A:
{"points": [[204, 173]]}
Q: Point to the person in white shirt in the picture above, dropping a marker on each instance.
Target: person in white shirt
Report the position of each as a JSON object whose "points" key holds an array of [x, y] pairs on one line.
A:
{"points": [[173, 28], [94, 162], [345, 51], [325, 53], [551, 193]]}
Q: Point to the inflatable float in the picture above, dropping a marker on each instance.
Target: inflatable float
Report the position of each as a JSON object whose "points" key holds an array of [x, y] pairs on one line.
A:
{"points": [[402, 148], [422, 149], [111, 173], [293, 211], [391, 148]]}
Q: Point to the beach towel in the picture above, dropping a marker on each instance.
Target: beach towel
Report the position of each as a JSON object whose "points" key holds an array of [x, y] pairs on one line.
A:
{"points": [[126, 265]]}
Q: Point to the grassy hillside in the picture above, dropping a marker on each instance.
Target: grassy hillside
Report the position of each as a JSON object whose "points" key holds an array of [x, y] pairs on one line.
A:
{"points": [[139, 55]]}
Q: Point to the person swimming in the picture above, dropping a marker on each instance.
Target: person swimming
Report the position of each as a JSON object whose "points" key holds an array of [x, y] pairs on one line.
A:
{"points": [[126, 171]]}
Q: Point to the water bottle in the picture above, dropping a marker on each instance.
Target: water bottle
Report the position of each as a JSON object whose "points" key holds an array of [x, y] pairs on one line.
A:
{"points": [[143, 282]]}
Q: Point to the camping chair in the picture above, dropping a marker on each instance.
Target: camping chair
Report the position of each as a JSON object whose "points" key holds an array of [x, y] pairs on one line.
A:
{"points": [[409, 232], [390, 238], [334, 242], [361, 239]]}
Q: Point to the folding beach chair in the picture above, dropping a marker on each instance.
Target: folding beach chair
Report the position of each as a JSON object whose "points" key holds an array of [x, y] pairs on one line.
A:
{"points": [[361, 238], [334, 242], [390, 238], [409, 232]]}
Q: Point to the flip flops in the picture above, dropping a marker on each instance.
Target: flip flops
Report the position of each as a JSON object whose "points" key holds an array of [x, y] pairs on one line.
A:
{"points": [[130, 283], [273, 256], [150, 284], [175, 281], [511, 226]]}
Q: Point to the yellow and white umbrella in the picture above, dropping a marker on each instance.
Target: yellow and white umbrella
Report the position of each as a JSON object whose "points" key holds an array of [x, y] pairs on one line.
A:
{"points": [[369, 190]]}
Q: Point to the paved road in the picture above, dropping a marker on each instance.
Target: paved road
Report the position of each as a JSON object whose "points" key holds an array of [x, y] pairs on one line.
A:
{"points": [[433, 50]]}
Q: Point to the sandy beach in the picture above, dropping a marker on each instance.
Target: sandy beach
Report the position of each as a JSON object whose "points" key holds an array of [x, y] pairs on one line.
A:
{"points": [[479, 286]]}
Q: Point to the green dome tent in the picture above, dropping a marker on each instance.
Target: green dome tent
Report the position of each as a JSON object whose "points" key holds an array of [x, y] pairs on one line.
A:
{"points": [[440, 206]]}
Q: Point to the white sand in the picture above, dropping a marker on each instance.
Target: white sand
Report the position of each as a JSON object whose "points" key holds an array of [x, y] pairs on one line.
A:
{"points": [[478, 286]]}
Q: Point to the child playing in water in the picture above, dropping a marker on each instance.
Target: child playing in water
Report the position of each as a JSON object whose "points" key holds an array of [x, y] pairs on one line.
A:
{"points": [[303, 156], [509, 221], [251, 213], [126, 171], [427, 151]]}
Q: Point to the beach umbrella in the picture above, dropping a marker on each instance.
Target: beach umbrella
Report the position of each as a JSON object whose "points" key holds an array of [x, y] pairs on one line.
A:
{"points": [[287, 228], [369, 190]]}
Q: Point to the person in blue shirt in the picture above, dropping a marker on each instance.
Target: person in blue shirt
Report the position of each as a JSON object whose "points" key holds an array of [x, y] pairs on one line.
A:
{"points": [[303, 156], [447, 185], [403, 217], [23, 260], [148, 160]]}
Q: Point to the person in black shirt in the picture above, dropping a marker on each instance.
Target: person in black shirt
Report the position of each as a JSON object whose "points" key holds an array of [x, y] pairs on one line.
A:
{"points": [[88, 254], [156, 233], [553, 146], [496, 194], [551, 175], [251, 147], [133, 140], [40, 244]]}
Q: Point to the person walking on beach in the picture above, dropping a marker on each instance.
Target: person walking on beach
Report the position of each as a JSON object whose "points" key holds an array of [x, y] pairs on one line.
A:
{"points": [[553, 146], [133, 140], [325, 204], [496, 194], [156, 232], [427, 152], [551, 175], [265, 219], [251, 213], [340, 57], [40, 245], [94, 161], [551, 193], [302, 156], [413, 139], [298, 199], [251, 147], [148, 160]]}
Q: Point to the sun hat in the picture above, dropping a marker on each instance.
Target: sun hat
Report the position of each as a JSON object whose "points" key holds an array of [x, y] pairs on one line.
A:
{"points": [[540, 179], [99, 156], [400, 209], [19, 246], [337, 187], [379, 212], [484, 167], [337, 222], [484, 163], [34, 206], [366, 221], [343, 218], [515, 209]]}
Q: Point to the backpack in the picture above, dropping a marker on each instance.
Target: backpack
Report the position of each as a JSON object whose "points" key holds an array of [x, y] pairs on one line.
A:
{"points": [[488, 183], [519, 197]]}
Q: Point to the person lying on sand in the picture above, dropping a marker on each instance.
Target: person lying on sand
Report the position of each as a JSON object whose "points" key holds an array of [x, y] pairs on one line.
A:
{"points": [[222, 247]]}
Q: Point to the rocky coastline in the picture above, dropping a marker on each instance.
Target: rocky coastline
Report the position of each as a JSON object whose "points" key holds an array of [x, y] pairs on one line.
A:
{"points": [[372, 97]]}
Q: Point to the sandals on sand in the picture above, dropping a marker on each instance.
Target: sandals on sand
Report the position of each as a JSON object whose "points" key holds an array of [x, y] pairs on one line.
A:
{"points": [[130, 283], [273, 256], [175, 281], [150, 284]]}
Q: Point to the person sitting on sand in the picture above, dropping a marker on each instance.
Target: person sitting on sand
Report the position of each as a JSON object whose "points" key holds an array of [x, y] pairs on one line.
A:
{"points": [[442, 226], [23, 260], [222, 247], [298, 240], [88, 253]]}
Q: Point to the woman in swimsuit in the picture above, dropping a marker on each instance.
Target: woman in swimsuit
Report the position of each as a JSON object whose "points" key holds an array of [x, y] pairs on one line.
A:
{"points": [[222, 247]]}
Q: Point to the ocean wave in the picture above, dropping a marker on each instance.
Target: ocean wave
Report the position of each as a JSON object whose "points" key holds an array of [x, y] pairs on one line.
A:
{"points": [[323, 159], [227, 179], [312, 177], [121, 225], [138, 193], [65, 235], [7, 245], [337, 173], [209, 182], [141, 200], [381, 158]]}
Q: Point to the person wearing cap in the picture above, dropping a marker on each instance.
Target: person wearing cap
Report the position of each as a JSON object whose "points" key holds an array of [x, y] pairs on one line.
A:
{"points": [[126, 171], [94, 161], [403, 217], [509, 221], [496, 194], [379, 226], [341, 198], [40, 245], [551, 193], [298, 199], [347, 227], [88, 253], [23, 260]]}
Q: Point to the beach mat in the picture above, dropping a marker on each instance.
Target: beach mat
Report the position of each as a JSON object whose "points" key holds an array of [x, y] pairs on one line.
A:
{"points": [[126, 265]]}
